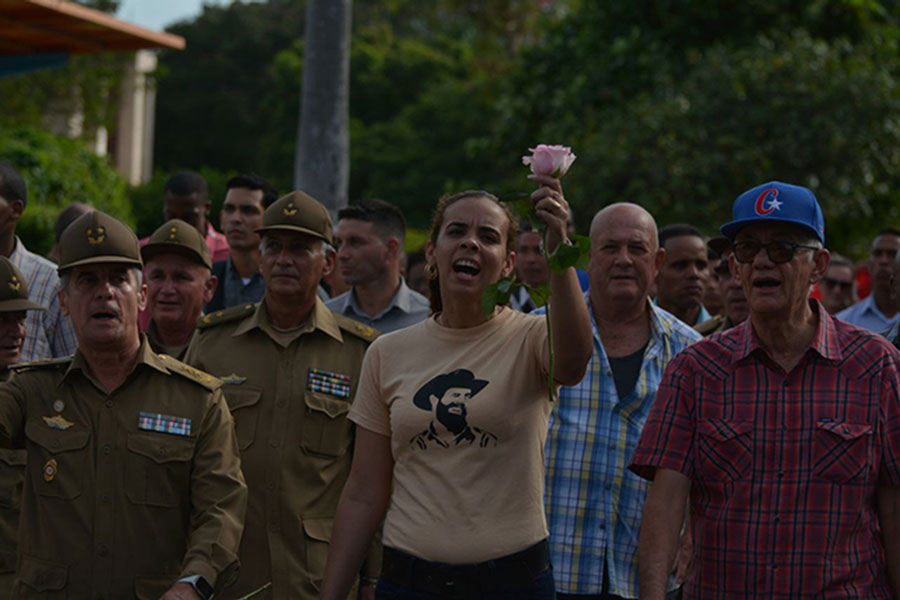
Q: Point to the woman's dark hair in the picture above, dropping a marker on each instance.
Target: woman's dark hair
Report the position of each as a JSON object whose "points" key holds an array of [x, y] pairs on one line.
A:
{"points": [[438, 221]]}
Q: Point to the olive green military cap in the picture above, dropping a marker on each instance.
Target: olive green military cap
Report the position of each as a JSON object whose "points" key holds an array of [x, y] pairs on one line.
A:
{"points": [[14, 289], [178, 237], [298, 211], [96, 237]]}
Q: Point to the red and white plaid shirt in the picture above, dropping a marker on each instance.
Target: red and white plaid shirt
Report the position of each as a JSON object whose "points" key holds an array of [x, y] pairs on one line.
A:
{"points": [[783, 466]]}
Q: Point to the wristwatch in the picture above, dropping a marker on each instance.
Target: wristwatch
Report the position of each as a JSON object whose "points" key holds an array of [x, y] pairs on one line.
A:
{"points": [[200, 585]]}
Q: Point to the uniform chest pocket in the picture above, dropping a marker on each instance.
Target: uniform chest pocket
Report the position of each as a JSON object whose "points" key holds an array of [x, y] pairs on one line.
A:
{"points": [[725, 449], [57, 459], [158, 469], [243, 404], [841, 450], [325, 428]]}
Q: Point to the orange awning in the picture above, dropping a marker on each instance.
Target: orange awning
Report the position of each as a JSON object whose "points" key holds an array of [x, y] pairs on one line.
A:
{"points": [[54, 26]]}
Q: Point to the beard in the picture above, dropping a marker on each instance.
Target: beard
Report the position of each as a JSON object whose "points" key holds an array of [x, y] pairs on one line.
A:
{"points": [[454, 423]]}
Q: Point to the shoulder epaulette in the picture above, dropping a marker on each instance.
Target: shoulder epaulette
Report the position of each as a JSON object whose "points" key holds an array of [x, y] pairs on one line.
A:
{"points": [[44, 362], [710, 325], [208, 381], [356, 328], [225, 316]]}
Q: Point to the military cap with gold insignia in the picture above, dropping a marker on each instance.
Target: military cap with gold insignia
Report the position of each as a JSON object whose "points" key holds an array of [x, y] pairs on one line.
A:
{"points": [[178, 237], [298, 211], [14, 289], [96, 237]]}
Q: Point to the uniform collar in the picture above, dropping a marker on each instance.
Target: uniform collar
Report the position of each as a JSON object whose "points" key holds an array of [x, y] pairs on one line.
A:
{"points": [[320, 318], [825, 341], [146, 356]]}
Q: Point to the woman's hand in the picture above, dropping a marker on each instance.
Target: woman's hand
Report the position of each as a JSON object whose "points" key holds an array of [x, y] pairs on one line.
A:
{"points": [[550, 206]]}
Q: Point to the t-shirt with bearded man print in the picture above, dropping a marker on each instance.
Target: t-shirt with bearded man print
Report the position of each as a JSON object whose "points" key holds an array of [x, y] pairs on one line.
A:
{"points": [[448, 396], [466, 411]]}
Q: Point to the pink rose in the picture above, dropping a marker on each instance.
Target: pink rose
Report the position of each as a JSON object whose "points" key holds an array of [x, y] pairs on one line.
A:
{"points": [[549, 160]]}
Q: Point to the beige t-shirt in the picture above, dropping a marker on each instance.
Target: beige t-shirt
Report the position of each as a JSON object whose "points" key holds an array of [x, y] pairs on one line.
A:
{"points": [[466, 411]]}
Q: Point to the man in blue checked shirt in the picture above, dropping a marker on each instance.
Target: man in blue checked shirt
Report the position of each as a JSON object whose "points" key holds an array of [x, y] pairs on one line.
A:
{"points": [[593, 502]]}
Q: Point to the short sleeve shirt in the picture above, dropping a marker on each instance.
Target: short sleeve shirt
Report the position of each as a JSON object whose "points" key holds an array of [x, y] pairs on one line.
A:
{"points": [[468, 455], [783, 466]]}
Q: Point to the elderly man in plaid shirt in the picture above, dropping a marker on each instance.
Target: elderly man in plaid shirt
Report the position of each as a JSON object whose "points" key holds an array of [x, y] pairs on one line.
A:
{"points": [[784, 431], [593, 503]]}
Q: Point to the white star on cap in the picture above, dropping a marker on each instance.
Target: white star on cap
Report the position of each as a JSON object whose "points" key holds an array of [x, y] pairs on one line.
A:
{"points": [[774, 204]]}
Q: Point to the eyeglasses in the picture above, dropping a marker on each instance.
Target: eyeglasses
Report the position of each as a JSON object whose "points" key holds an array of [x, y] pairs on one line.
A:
{"points": [[844, 285], [779, 251]]}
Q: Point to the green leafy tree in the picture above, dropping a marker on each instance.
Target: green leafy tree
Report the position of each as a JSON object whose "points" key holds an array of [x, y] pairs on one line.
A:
{"points": [[59, 171], [681, 106]]}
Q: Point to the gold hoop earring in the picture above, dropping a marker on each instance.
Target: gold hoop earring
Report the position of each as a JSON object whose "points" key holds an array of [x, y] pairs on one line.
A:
{"points": [[431, 270]]}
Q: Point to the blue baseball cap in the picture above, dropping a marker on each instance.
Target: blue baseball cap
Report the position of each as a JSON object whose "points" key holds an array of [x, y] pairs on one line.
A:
{"points": [[776, 201]]}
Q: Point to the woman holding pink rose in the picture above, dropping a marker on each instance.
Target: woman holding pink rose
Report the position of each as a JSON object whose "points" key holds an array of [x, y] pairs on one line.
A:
{"points": [[451, 419]]}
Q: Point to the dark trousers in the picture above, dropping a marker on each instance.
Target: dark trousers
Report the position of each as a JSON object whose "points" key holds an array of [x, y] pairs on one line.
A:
{"points": [[506, 578]]}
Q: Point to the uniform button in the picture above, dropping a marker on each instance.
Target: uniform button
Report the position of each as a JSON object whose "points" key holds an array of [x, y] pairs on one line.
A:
{"points": [[107, 448], [274, 443], [281, 404], [109, 404], [105, 498], [781, 473], [162, 452], [612, 446], [777, 518], [55, 443], [102, 550], [602, 525], [273, 526], [270, 486]]}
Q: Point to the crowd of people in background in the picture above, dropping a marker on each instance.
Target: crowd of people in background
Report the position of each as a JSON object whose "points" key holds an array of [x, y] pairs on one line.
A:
{"points": [[300, 408]]}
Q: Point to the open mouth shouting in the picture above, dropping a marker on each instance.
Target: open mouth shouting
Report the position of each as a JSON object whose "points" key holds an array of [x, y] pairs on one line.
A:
{"points": [[764, 283], [466, 269]]}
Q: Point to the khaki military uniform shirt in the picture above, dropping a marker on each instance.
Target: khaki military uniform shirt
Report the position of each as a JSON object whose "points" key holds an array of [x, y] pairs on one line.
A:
{"points": [[159, 347], [124, 492], [289, 393], [12, 474]]}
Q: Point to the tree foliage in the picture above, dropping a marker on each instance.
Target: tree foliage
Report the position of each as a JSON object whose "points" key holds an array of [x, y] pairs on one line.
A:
{"points": [[59, 171], [678, 106]]}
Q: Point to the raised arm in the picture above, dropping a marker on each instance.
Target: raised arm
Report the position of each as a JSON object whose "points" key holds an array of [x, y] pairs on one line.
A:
{"points": [[571, 326], [660, 527], [361, 509]]}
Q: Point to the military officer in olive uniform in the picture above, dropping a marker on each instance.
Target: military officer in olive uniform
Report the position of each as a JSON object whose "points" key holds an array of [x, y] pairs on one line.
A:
{"points": [[290, 368], [13, 304], [133, 486], [180, 282]]}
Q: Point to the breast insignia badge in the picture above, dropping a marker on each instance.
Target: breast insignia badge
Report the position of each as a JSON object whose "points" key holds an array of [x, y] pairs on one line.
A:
{"points": [[50, 470], [233, 379], [58, 422]]}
